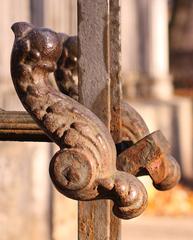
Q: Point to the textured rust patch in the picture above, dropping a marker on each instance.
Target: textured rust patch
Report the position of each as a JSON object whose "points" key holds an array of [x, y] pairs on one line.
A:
{"points": [[152, 153]]}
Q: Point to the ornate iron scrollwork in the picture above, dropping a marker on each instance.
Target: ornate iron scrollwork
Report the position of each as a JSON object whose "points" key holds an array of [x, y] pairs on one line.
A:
{"points": [[85, 166], [141, 153]]}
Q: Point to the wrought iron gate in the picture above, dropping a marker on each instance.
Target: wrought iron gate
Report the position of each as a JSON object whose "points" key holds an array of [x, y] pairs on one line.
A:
{"points": [[85, 167]]}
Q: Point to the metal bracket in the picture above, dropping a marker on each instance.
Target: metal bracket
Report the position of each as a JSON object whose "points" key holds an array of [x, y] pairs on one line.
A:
{"points": [[146, 154], [85, 166]]}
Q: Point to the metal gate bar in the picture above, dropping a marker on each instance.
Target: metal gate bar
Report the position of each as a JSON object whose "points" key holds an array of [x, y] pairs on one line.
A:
{"points": [[19, 126], [99, 93]]}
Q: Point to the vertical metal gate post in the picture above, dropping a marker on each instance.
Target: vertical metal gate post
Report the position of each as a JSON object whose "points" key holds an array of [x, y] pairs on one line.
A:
{"points": [[99, 88], [115, 91]]}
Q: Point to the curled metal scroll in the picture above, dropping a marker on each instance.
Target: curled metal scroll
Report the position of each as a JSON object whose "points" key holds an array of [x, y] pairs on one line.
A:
{"points": [[85, 166], [139, 153]]}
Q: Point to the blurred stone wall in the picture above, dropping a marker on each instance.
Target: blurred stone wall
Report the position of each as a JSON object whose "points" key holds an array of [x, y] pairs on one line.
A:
{"points": [[181, 51]]}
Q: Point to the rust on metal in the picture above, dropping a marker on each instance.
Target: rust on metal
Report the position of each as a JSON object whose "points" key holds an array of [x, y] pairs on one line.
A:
{"points": [[67, 67], [85, 166], [134, 129], [19, 126], [151, 156], [115, 92]]}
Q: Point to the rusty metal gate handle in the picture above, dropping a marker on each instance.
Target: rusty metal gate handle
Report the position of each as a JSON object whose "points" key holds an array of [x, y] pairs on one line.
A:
{"points": [[144, 153], [85, 166]]}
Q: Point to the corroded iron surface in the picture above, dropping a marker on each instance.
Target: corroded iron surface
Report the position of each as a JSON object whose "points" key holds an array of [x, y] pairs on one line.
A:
{"points": [[85, 166], [151, 155], [19, 126], [141, 152], [67, 67]]}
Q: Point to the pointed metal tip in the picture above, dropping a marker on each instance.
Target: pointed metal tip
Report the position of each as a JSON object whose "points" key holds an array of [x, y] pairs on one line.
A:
{"points": [[21, 28]]}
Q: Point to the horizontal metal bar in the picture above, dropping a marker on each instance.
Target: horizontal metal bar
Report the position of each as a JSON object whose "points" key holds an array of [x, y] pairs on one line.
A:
{"points": [[19, 126]]}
